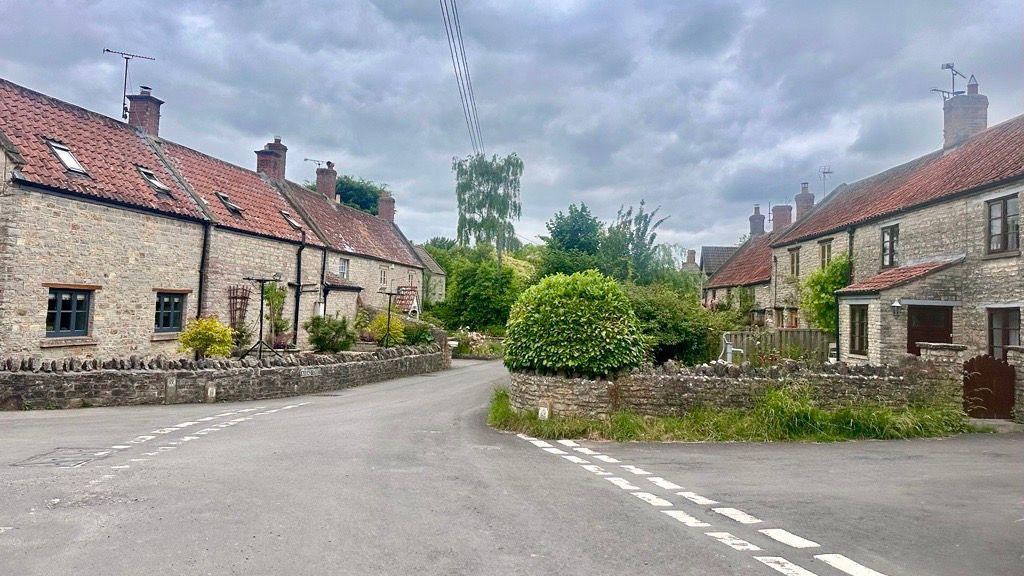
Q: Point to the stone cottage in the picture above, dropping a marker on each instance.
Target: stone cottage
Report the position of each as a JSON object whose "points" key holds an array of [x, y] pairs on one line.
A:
{"points": [[434, 277], [113, 237]]}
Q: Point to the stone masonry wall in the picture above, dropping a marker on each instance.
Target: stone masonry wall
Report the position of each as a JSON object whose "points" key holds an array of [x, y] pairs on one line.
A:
{"points": [[1015, 357]]}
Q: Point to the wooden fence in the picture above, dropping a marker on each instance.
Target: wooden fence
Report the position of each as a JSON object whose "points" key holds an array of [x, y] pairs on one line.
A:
{"points": [[797, 343]]}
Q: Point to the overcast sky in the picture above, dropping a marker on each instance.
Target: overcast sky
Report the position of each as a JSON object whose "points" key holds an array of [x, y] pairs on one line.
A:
{"points": [[702, 108]]}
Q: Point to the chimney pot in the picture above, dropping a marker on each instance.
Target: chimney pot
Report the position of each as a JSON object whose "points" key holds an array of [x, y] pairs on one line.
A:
{"points": [[144, 112], [271, 159], [964, 115], [386, 206], [782, 216], [326, 181], [804, 201], [756, 222]]}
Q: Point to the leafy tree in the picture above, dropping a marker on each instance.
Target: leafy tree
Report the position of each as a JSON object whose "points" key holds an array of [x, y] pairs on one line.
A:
{"points": [[488, 196], [817, 295], [577, 230], [557, 261], [357, 193], [632, 235], [207, 337], [677, 326], [274, 296], [479, 295], [440, 243]]}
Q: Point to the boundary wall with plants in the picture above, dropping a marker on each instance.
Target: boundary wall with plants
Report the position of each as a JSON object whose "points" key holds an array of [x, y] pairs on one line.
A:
{"points": [[32, 383], [671, 390]]}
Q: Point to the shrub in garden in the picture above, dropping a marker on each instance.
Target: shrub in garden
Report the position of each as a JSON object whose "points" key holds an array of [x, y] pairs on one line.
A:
{"points": [[417, 333], [818, 298], [379, 327], [207, 337], [578, 324], [675, 323], [329, 333]]}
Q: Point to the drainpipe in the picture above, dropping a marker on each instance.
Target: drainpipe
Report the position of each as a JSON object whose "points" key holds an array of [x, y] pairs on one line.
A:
{"points": [[323, 281], [839, 354], [298, 288], [204, 261]]}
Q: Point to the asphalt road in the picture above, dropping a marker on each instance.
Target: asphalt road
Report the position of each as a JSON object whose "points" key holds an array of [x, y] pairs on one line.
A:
{"points": [[404, 477]]}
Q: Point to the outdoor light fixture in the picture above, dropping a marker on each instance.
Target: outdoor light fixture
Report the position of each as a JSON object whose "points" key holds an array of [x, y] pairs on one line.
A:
{"points": [[896, 307]]}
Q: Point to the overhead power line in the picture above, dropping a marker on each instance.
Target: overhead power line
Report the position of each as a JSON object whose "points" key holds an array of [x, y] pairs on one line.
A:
{"points": [[456, 46], [469, 77]]}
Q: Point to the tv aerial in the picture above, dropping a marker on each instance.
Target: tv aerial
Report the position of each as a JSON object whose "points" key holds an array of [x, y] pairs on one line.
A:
{"points": [[953, 73], [128, 57], [825, 173]]}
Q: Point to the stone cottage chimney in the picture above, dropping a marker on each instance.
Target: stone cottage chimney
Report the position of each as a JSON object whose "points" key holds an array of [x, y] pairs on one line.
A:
{"points": [[756, 222], [326, 179], [271, 160], [782, 217], [386, 206], [964, 115], [691, 258], [144, 112], [804, 201]]}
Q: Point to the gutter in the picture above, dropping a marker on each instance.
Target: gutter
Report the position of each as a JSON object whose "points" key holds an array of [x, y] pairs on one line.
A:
{"points": [[204, 264]]}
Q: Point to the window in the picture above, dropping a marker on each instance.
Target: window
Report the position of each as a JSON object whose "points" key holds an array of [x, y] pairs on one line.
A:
{"points": [[66, 158], [231, 206], [1003, 330], [794, 318], [890, 242], [291, 221], [1003, 225], [153, 181], [780, 317], [859, 329], [825, 249], [412, 278], [169, 308], [383, 276], [794, 262], [67, 313], [343, 268]]}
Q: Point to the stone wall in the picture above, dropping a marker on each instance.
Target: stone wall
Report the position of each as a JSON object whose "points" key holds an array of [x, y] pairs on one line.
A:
{"points": [[672, 391], [33, 383], [1015, 357], [366, 273]]}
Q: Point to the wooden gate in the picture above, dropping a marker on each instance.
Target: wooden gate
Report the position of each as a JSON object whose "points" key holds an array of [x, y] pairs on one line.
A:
{"points": [[988, 387]]}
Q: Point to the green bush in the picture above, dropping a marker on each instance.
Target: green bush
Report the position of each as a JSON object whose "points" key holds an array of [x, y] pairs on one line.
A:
{"points": [[329, 333], [675, 323], [417, 333], [817, 295], [379, 328], [207, 337], [579, 324], [479, 294]]}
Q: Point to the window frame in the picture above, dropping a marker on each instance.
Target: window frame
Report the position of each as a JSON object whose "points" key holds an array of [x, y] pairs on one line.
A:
{"points": [[160, 312], [154, 182], [344, 265], [70, 161], [859, 344], [383, 276], [73, 332], [890, 245], [291, 220], [825, 252], [1004, 227], [1005, 338], [794, 262], [233, 208]]}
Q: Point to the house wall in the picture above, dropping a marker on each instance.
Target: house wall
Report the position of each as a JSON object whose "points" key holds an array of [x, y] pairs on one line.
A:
{"points": [[366, 273], [129, 254], [783, 292], [434, 286]]}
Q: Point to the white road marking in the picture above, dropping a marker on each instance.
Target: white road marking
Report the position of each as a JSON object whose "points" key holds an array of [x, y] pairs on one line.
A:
{"points": [[733, 542], [223, 414], [525, 437], [575, 459], [622, 483], [288, 407], [568, 443], [737, 515], [686, 518], [662, 483], [788, 538], [586, 451], [207, 419], [166, 448], [555, 451], [141, 439], [189, 438], [540, 444], [652, 499], [6, 529], [140, 459], [121, 467], [635, 470], [150, 453], [840, 562], [104, 453], [165, 431], [186, 424], [783, 566], [596, 470], [697, 498], [604, 458], [120, 447]]}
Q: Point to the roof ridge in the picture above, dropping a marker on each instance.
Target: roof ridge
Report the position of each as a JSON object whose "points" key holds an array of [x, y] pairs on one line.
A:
{"points": [[53, 99]]}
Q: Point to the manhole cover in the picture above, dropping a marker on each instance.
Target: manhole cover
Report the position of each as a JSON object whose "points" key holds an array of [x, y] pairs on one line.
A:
{"points": [[63, 457]]}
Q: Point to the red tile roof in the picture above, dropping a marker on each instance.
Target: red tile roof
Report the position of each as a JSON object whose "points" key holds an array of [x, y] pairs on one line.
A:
{"points": [[354, 231], [894, 277], [261, 203], [991, 156], [335, 281], [109, 150], [750, 264]]}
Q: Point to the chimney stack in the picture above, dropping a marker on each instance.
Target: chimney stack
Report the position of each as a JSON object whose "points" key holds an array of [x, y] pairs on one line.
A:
{"points": [[691, 257], [804, 201], [756, 222], [964, 115], [326, 180], [144, 112], [271, 160], [782, 217], [386, 206]]}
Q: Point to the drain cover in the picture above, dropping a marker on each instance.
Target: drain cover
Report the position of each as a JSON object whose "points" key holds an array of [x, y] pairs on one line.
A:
{"points": [[63, 457]]}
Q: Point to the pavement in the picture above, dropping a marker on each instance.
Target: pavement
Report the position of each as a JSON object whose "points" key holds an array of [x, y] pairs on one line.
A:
{"points": [[404, 477]]}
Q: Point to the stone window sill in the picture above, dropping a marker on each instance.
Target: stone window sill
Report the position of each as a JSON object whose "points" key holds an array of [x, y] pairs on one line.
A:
{"points": [[68, 342], [857, 356], [1000, 255], [164, 336]]}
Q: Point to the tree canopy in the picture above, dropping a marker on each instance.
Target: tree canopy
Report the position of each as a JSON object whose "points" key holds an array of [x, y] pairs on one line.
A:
{"points": [[577, 230], [487, 191]]}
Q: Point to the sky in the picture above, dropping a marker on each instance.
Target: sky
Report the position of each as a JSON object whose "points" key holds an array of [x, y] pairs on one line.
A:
{"points": [[699, 108]]}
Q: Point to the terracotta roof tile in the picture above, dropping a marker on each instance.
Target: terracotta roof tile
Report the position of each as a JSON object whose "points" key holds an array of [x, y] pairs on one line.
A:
{"points": [[993, 155], [750, 264], [897, 276], [337, 282], [109, 150]]}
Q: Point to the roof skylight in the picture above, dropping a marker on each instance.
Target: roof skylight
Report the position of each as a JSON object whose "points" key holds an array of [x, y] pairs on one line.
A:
{"points": [[231, 206], [291, 221], [66, 158], [153, 181]]}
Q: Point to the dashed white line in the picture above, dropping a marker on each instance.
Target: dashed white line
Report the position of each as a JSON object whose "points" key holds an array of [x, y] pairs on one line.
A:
{"points": [[662, 483], [783, 566], [737, 515], [575, 459], [733, 542], [568, 443], [185, 424], [586, 451], [120, 447], [120, 467], [686, 519], [622, 483], [788, 538], [554, 450], [141, 439], [140, 459], [104, 453], [525, 437], [540, 444], [652, 499], [697, 498], [167, 448], [596, 469], [165, 430], [207, 419], [635, 470], [604, 458], [6, 529], [840, 562]]}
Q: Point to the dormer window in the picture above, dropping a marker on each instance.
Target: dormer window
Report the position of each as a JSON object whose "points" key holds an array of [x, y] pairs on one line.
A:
{"points": [[231, 206], [153, 181], [63, 153], [291, 221]]}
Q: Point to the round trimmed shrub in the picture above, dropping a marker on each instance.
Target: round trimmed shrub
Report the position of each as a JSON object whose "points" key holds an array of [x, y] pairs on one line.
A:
{"points": [[580, 324]]}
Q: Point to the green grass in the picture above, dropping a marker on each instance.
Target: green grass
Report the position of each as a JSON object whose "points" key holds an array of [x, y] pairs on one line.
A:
{"points": [[779, 415]]}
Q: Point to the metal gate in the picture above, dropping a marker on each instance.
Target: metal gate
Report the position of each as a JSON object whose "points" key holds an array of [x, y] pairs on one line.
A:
{"points": [[988, 387]]}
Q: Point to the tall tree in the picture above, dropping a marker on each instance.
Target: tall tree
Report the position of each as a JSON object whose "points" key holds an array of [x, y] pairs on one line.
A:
{"points": [[632, 236], [487, 191], [577, 230]]}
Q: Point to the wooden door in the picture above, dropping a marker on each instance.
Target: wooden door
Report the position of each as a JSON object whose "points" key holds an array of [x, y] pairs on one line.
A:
{"points": [[988, 387], [928, 324]]}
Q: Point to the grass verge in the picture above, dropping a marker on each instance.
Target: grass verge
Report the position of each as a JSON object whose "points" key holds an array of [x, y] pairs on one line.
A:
{"points": [[779, 415]]}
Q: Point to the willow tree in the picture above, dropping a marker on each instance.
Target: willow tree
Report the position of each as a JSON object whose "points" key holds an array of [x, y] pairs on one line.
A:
{"points": [[487, 191]]}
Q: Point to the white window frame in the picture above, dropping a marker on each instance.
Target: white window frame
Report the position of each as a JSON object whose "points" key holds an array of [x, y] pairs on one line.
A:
{"points": [[343, 267], [150, 177], [231, 206], [384, 276], [66, 157]]}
